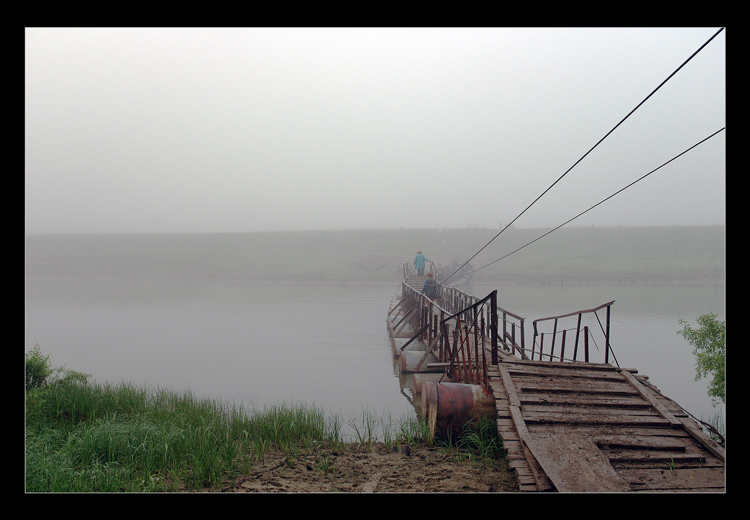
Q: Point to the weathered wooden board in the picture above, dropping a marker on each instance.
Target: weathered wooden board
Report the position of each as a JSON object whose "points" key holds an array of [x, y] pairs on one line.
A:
{"points": [[595, 428], [575, 464]]}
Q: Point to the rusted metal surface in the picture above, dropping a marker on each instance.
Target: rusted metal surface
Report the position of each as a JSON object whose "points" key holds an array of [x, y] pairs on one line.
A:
{"points": [[456, 328], [567, 425], [451, 407]]}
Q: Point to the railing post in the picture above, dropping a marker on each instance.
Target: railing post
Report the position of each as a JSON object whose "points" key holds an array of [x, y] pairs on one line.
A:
{"points": [[493, 325], [606, 354], [505, 329], [586, 342], [578, 333], [554, 337], [476, 351]]}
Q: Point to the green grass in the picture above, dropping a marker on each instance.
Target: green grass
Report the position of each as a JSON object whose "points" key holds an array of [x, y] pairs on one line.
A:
{"points": [[105, 438], [86, 437]]}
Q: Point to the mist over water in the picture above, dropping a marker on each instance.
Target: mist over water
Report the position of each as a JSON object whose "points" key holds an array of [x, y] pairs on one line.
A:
{"points": [[321, 344], [251, 343]]}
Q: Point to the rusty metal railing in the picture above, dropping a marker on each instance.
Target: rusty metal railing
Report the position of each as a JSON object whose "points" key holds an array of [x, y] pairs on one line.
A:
{"points": [[452, 300], [460, 329], [456, 328], [513, 336], [583, 337], [465, 333]]}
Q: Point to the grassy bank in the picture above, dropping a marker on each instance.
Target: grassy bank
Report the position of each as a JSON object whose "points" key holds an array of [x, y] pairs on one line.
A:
{"points": [[86, 437], [578, 255], [91, 438]]}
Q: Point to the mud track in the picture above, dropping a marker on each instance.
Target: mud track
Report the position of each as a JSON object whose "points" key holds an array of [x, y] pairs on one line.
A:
{"points": [[375, 470]]}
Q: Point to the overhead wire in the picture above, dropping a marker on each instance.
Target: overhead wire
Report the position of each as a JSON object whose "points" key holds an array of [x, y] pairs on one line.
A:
{"points": [[601, 201], [588, 152]]}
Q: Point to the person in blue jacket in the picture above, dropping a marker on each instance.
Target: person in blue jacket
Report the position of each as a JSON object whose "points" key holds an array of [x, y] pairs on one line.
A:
{"points": [[419, 262]]}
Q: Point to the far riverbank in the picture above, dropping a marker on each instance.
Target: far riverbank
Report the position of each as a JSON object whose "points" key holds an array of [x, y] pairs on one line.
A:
{"points": [[616, 255]]}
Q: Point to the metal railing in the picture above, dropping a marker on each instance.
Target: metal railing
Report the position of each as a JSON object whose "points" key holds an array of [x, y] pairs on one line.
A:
{"points": [[465, 333], [460, 330], [456, 327], [513, 336], [583, 337], [452, 300], [410, 270]]}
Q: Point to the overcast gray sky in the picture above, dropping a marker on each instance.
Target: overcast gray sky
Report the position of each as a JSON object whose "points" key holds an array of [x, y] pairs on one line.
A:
{"points": [[262, 129]]}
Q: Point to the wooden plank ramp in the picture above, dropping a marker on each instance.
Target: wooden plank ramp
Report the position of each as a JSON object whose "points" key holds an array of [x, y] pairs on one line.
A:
{"points": [[583, 427]]}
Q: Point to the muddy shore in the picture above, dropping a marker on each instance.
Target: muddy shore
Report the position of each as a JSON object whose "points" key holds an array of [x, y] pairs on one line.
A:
{"points": [[375, 469]]}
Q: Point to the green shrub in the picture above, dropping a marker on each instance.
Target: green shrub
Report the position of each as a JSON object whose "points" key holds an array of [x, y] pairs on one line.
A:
{"points": [[39, 373], [37, 368]]}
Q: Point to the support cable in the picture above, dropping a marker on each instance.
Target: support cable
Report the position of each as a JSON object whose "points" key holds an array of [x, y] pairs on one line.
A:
{"points": [[587, 153], [600, 202]]}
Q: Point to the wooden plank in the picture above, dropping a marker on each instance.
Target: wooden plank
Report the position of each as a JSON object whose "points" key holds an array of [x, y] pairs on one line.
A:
{"points": [[656, 458], [631, 442], [509, 387], [542, 481], [691, 480], [537, 418], [567, 365], [709, 444], [599, 430], [586, 410], [589, 401], [574, 394], [673, 421], [569, 386], [575, 464], [529, 371]]}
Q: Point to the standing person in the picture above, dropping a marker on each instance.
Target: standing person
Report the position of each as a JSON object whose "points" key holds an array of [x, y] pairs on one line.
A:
{"points": [[419, 262], [430, 287]]}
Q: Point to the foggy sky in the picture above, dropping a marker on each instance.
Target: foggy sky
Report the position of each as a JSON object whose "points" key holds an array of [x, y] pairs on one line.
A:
{"points": [[263, 129]]}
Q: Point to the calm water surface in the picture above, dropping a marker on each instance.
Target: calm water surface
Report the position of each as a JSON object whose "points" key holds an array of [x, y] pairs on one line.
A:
{"points": [[325, 345]]}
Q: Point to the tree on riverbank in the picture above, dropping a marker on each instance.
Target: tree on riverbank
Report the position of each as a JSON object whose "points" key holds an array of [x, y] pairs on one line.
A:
{"points": [[709, 348]]}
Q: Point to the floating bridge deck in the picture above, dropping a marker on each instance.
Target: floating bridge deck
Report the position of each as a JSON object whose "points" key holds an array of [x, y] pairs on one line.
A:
{"points": [[566, 425]]}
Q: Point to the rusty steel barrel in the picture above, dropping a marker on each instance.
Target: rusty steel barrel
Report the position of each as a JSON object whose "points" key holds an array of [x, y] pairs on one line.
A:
{"points": [[449, 407]]}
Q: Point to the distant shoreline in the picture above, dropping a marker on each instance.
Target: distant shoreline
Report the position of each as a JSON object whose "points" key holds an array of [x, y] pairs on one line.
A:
{"points": [[310, 281], [575, 256]]}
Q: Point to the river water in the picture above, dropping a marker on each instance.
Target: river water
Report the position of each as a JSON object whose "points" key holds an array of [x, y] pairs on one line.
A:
{"points": [[325, 345]]}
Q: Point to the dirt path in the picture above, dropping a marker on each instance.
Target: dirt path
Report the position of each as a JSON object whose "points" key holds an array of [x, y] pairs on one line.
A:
{"points": [[378, 470]]}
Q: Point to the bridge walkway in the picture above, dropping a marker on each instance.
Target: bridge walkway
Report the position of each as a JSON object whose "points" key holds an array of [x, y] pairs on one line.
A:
{"points": [[594, 427], [582, 427]]}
